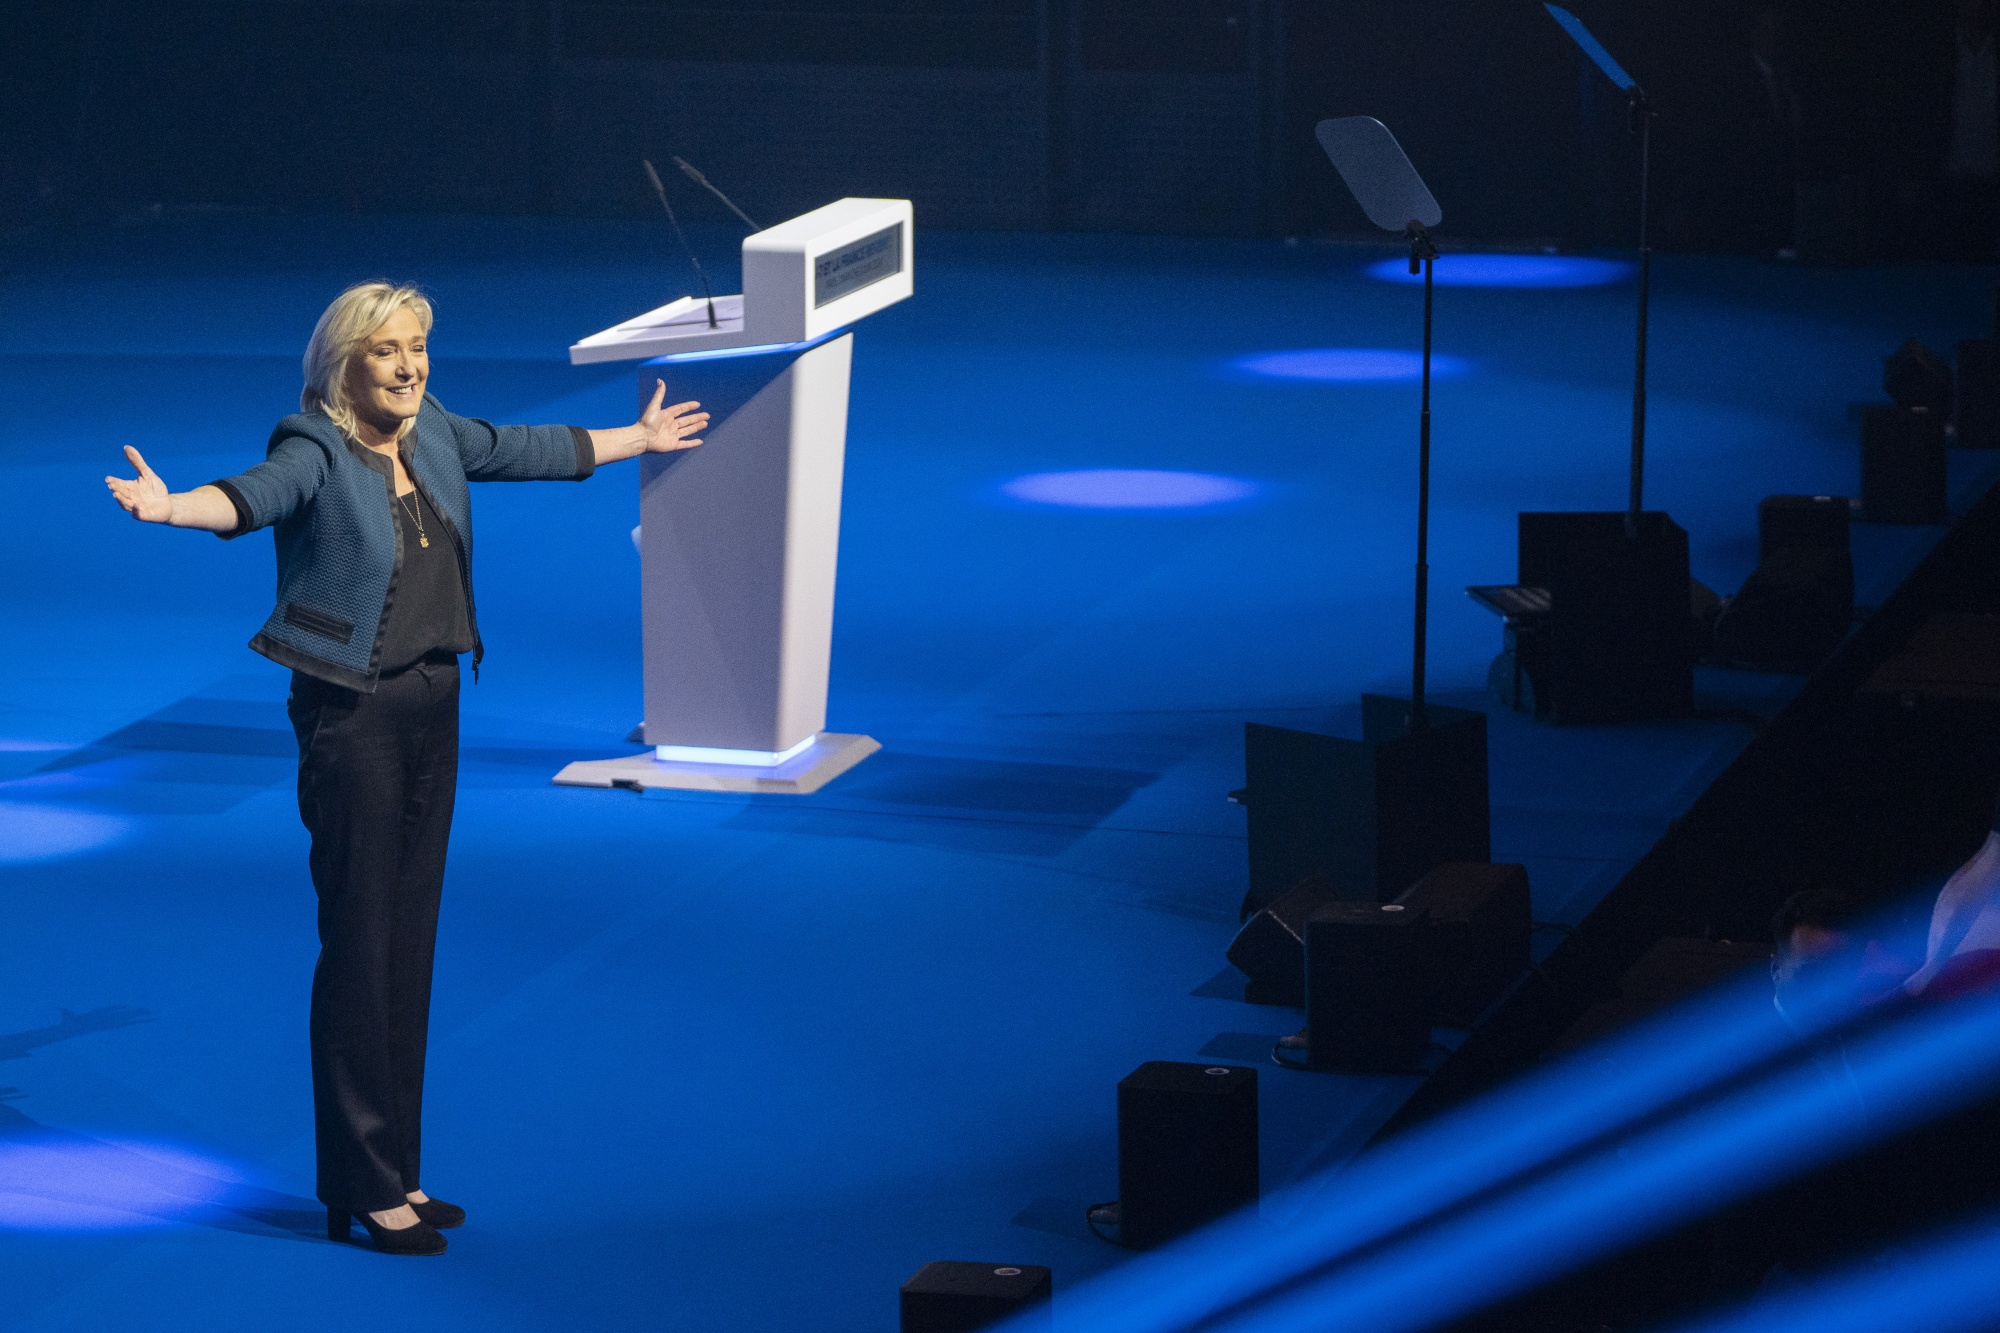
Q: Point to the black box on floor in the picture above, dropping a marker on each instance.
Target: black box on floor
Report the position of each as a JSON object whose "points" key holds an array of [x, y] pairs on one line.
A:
{"points": [[1802, 520], [1618, 641], [1369, 979], [1478, 924], [1271, 948], [1978, 388], [1367, 816], [1791, 612], [1902, 465], [953, 1297], [1187, 1148], [1916, 377]]}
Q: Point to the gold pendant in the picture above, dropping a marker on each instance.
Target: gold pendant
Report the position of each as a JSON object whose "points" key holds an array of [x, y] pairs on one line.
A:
{"points": [[423, 541]]}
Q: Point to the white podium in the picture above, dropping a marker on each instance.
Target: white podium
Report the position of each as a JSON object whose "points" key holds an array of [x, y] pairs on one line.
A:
{"points": [[739, 539]]}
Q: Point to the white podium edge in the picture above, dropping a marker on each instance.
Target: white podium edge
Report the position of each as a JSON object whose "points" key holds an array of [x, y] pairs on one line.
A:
{"points": [[832, 754]]}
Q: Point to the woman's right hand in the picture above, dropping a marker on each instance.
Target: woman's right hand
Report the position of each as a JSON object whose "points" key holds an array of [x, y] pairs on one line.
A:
{"points": [[145, 497]]}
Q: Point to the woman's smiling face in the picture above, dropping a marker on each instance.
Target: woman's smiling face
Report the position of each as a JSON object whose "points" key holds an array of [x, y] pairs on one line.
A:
{"points": [[386, 378]]}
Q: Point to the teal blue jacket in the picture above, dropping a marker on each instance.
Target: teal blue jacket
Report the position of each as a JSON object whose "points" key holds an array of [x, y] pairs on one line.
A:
{"points": [[330, 503]]}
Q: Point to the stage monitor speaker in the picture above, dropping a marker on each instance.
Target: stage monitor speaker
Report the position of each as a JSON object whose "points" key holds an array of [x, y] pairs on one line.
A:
{"points": [[1792, 611], [1902, 466], [1802, 520], [1978, 390], [1478, 920], [1367, 816], [1618, 642], [1369, 979], [953, 1297], [1270, 949], [1916, 377], [1187, 1148]]}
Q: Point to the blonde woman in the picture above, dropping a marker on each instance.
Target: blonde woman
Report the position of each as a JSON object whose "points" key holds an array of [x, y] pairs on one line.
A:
{"points": [[366, 490]]}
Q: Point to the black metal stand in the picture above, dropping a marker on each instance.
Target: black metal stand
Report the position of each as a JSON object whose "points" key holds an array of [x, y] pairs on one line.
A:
{"points": [[1609, 641], [1423, 251], [1642, 125], [1363, 818], [1641, 108]]}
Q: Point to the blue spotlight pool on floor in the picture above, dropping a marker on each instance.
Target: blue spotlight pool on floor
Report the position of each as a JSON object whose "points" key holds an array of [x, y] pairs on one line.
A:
{"points": [[52, 1181], [34, 832], [1346, 365], [1128, 488], [1509, 271]]}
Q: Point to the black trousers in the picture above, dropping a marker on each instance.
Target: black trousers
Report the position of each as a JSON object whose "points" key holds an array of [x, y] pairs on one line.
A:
{"points": [[377, 776]]}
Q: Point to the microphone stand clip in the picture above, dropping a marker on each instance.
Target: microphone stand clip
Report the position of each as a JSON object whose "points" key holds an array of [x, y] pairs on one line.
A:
{"points": [[1422, 247]]}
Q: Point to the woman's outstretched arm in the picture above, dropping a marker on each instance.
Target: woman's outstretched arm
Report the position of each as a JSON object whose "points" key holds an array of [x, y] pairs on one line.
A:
{"points": [[658, 430], [146, 498]]}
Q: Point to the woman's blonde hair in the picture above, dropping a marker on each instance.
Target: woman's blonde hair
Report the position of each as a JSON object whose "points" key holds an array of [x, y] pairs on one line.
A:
{"points": [[342, 330]]}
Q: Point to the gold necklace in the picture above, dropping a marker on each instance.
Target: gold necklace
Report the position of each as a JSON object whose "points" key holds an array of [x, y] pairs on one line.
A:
{"points": [[416, 513]]}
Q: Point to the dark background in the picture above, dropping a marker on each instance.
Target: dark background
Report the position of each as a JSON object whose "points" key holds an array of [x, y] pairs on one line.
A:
{"points": [[1172, 116]]}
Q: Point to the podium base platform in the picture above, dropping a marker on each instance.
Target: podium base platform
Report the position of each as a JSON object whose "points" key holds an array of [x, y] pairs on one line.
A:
{"points": [[830, 755]]}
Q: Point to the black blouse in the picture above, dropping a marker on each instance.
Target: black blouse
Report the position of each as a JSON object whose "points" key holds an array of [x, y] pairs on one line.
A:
{"points": [[427, 601]]}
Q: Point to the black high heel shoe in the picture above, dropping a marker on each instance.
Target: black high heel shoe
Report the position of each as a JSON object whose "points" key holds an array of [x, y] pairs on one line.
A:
{"points": [[419, 1239], [436, 1212]]}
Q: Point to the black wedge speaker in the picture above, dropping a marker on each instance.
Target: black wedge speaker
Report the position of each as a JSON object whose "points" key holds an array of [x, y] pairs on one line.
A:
{"points": [[1477, 926], [1271, 948], [1916, 377], [1792, 611]]}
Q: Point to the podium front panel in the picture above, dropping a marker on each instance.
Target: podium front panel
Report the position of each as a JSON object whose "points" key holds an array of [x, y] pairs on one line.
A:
{"points": [[739, 540]]}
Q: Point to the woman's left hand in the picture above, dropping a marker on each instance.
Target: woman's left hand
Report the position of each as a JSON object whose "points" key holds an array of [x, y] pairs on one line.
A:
{"points": [[668, 428]]}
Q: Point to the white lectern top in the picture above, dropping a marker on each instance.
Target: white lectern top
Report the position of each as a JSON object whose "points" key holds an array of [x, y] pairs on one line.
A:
{"points": [[801, 279]]}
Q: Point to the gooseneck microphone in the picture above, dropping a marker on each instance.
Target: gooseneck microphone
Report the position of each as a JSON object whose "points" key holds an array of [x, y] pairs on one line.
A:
{"points": [[661, 191], [705, 184]]}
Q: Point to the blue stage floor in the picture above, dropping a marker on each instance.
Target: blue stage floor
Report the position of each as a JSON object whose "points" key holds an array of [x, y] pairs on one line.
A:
{"points": [[707, 1063]]}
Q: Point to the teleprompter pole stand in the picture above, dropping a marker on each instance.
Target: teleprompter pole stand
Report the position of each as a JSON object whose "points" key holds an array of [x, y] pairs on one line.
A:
{"points": [[1422, 252], [1365, 817], [1396, 199], [1642, 125]]}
